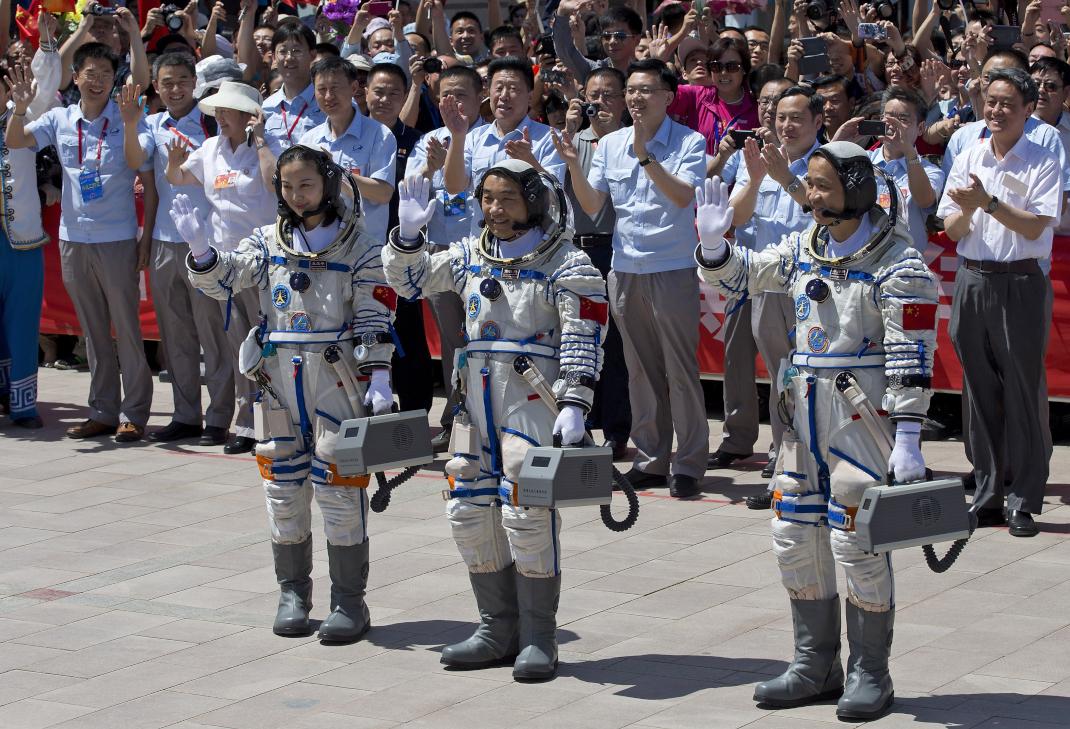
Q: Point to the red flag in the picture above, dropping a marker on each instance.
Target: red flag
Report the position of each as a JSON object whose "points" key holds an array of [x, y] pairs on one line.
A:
{"points": [[594, 310], [919, 316], [26, 20], [386, 296]]}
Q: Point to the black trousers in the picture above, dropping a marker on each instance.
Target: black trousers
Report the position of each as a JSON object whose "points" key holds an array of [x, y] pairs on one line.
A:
{"points": [[412, 374], [999, 325], [611, 411]]}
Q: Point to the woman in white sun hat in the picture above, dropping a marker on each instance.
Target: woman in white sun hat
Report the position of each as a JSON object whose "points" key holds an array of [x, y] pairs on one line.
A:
{"points": [[235, 168]]}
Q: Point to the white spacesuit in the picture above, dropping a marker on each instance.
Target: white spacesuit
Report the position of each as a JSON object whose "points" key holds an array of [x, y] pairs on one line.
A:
{"points": [[534, 295], [322, 291], [866, 326]]}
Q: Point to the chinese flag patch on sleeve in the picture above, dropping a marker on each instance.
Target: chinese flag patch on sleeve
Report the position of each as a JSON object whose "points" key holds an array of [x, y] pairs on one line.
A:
{"points": [[386, 296], [594, 310], [919, 316]]}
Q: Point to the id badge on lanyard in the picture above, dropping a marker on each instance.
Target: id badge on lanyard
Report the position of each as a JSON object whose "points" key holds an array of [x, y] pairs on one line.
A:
{"points": [[89, 180], [453, 205]]}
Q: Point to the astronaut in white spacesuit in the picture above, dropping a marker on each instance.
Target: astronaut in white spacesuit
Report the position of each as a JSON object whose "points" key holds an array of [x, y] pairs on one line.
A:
{"points": [[865, 305], [322, 291], [528, 292]]}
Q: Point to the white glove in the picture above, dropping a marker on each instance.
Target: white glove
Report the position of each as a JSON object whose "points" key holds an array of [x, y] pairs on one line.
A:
{"points": [[379, 395], [714, 218], [570, 425], [906, 462], [187, 219], [414, 208]]}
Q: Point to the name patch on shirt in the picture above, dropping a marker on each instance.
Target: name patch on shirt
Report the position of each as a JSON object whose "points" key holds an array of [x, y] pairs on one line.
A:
{"points": [[225, 180]]}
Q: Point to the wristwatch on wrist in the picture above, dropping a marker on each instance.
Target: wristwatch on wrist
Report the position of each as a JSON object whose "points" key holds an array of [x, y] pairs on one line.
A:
{"points": [[649, 158], [577, 379], [794, 185], [915, 160], [992, 205]]}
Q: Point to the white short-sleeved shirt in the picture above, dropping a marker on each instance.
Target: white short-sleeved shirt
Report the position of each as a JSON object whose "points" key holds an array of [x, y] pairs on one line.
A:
{"points": [[1043, 134], [1028, 178], [231, 179], [154, 134], [367, 148]]}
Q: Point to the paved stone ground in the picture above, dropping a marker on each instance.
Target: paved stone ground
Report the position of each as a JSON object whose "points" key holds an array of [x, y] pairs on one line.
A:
{"points": [[136, 590]]}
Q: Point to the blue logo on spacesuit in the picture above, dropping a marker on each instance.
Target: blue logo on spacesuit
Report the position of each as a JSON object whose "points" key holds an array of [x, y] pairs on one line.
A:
{"points": [[802, 307], [490, 330], [300, 322], [280, 296], [473, 306], [817, 339]]}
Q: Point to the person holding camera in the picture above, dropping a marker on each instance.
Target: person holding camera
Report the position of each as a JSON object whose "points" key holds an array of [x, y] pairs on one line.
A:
{"points": [[714, 111], [602, 106]]}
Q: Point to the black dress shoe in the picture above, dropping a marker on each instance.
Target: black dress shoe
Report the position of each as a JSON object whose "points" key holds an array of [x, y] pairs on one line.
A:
{"points": [[990, 517], [770, 469], [760, 502], [620, 448], [30, 422], [684, 487], [441, 442], [213, 435], [640, 480], [174, 431], [1022, 525], [724, 459], [239, 444]]}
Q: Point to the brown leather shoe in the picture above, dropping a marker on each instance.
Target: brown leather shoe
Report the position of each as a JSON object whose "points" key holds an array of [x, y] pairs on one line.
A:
{"points": [[129, 433], [90, 429]]}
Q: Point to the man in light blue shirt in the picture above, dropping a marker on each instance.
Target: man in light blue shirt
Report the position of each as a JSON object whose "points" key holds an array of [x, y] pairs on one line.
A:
{"points": [[511, 134], [98, 224], [919, 181], [363, 146], [768, 199], [451, 222], [190, 322], [292, 110], [649, 171]]}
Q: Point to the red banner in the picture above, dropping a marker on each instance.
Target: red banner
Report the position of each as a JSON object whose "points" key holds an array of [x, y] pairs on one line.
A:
{"points": [[58, 317]]}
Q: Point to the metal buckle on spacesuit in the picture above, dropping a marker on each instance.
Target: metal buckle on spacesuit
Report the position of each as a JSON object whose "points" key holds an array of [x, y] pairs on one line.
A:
{"points": [[511, 274]]}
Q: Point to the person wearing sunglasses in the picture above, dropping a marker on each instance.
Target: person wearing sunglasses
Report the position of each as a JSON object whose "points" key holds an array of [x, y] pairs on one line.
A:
{"points": [[620, 30], [728, 103]]}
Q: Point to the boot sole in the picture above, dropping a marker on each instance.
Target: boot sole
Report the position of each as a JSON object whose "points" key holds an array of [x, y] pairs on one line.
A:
{"points": [[333, 640], [866, 715], [531, 676], [794, 703], [494, 663], [290, 632]]}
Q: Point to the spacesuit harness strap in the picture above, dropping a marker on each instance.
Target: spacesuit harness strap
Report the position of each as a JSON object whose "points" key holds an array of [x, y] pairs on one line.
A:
{"points": [[509, 346], [837, 361], [834, 273], [310, 264], [506, 273]]}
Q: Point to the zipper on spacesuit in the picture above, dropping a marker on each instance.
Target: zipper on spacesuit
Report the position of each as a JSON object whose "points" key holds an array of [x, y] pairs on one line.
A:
{"points": [[299, 387], [492, 429]]}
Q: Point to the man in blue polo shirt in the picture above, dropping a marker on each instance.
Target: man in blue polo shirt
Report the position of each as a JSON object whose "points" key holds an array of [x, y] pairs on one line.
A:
{"points": [[292, 110], [511, 135], [98, 226], [649, 172], [361, 145]]}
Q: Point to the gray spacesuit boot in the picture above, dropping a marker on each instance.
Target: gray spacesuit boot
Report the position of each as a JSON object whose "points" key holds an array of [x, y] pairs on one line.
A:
{"points": [[815, 674], [349, 618], [538, 598], [868, 692], [293, 565], [495, 640]]}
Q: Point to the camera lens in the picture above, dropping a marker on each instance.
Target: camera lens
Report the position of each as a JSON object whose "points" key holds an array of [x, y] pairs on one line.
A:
{"points": [[432, 65], [174, 23], [590, 109], [816, 9]]}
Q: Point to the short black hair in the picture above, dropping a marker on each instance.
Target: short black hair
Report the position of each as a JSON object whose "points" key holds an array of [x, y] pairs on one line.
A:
{"points": [[390, 69], [327, 49], [762, 75], [334, 64], [830, 80], [293, 30], [757, 28], [1062, 68], [814, 102], [505, 31], [608, 72], [465, 72], [97, 51], [624, 15], [511, 63], [1019, 59], [465, 15], [906, 96], [164, 45], [173, 58], [657, 67], [1020, 80]]}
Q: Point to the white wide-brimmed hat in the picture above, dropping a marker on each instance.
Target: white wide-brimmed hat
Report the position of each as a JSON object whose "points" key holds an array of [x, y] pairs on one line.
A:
{"points": [[232, 95]]}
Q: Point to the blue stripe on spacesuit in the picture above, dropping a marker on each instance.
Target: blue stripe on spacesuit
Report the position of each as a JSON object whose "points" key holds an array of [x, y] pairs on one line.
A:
{"points": [[283, 261], [822, 467], [523, 436], [826, 271], [299, 387], [492, 430], [499, 272], [843, 456], [397, 341], [798, 477], [326, 416]]}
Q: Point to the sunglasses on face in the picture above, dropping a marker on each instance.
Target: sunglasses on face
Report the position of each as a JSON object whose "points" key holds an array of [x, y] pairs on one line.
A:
{"points": [[729, 67], [617, 35]]}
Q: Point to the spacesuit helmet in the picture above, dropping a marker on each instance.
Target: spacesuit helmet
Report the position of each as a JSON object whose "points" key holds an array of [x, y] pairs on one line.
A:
{"points": [[856, 174], [543, 196], [331, 205]]}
